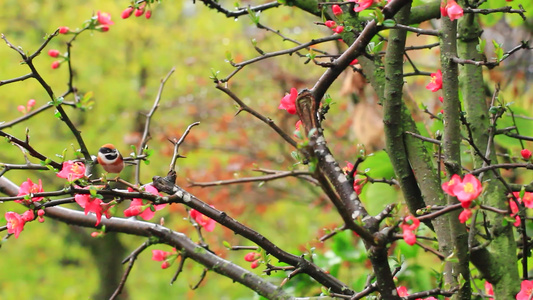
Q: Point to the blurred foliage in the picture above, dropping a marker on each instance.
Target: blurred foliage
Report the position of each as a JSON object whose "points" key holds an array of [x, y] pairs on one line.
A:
{"points": [[122, 68]]}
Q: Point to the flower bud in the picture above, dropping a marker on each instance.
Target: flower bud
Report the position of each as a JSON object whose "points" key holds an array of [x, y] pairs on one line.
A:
{"points": [[53, 52], [338, 29], [330, 23], [64, 30], [127, 13], [526, 154], [337, 10], [139, 12]]}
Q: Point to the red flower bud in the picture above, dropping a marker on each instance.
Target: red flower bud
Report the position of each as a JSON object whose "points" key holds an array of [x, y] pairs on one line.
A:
{"points": [[148, 14], [339, 29], [251, 256], [127, 13], [526, 154], [330, 23], [53, 53], [254, 264], [165, 265], [337, 10], [139, 12], [64, 30], [55, 64]]}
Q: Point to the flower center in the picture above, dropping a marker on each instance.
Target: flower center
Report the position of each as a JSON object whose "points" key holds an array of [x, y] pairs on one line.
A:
{"points": [[468, 188]]}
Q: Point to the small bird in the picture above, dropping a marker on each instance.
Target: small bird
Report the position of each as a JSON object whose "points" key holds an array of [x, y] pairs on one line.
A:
{"points": [[110, 159]]}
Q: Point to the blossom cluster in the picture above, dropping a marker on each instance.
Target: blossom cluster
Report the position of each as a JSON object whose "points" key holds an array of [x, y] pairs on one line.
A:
{"points": [[254, 258], [409, 226], [142, 9], [100, 22], [466, 190], [166, 257], [73, 171]]}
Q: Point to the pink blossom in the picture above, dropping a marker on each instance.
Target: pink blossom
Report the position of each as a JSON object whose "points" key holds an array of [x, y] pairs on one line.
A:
{"points": [[363, 4], [469, 189], [526, 289], [488, 289], [410, 223], [527, 199], [104, 18], [72, 170], [348, 168], [514, 211], [454, 10], [466, 190], [207, 223], [93, 205], [402, 291], [288, 102], [15, 223], [28, 216], [436, 81], [27, 188], [140, 207]]}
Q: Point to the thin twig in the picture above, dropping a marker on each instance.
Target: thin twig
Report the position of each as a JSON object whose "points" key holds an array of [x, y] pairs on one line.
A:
{"points": [[146, 130], [131, 259], [279, 175], [177, 144]]}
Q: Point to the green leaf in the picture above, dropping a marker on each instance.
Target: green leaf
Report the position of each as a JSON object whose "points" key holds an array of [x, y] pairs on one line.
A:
{"points": [[214, 74], [389, 23], [226, 244], [148, 152], [480, 47], [325, 291], [296, 155]]}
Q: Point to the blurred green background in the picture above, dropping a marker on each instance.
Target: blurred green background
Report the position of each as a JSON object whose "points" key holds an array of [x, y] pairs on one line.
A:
{"points": [[123, 69]]}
